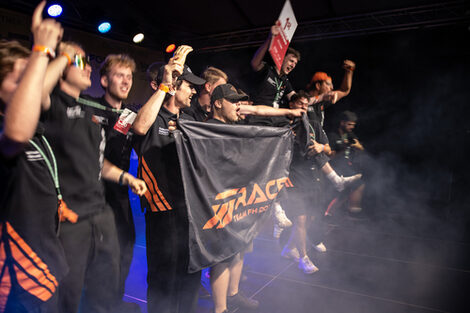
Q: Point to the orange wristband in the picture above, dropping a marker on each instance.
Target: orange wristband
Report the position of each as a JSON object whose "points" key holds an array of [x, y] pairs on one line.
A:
{"points": [[69, 59], [164, 88], [46, 50]]}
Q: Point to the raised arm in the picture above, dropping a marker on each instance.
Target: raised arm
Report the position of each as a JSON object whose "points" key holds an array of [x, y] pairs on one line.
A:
{"points": [[149, 111], [263, 110], [257, 60], [55, 70], [346, 84], [22, 112]]}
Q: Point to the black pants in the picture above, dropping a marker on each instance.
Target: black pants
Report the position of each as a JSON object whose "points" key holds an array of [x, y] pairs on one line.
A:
{"points": [[171, 289], [126, 234], [92, 252]]}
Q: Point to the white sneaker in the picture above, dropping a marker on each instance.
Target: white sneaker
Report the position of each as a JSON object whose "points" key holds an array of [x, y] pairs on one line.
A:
{"points": [[307, 266], [277, 231], [320, 247], [280, 216], [292, 254], [355, 209], [346, 181]]}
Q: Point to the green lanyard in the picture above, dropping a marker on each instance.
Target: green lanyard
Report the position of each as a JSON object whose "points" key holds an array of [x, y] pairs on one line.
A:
{"points": [[51, 167], [98, 106], [312, 135], [278, 89]]}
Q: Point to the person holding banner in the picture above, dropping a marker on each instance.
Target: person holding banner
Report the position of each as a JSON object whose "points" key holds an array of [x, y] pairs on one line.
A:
{"points": [[225, 276], [227, 108], [303, 201], [170, 287]]}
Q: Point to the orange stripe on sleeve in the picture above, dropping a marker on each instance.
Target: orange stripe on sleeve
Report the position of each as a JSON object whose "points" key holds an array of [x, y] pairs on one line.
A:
{"points": [[148, 194], [157, 190], [5, 281], [31, 264]]}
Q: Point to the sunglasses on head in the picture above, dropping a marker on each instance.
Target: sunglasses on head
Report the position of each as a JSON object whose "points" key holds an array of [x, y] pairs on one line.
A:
{"points": [[80, 61]]}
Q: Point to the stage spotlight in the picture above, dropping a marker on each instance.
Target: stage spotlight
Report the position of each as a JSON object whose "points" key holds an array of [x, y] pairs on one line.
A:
{"points": [[54, 10], [170, 48], [138, 38], [104, 27]]}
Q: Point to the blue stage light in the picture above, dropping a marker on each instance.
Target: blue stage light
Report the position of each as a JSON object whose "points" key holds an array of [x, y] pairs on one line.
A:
{"points": [[104, 27], [54, 10]]}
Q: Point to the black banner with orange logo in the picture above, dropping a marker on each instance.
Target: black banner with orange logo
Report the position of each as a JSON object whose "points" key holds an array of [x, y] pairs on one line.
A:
{"points": [[231, 176]]}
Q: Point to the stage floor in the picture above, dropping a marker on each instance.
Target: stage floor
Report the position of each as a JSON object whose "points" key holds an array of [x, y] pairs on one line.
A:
{"points": [[383, 263]]}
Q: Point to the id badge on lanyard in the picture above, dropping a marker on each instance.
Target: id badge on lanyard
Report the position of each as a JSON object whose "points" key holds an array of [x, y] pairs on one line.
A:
{"points": [[125, 121]]}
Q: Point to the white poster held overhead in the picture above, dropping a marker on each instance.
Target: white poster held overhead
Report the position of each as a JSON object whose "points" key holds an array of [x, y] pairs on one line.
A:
{"points": [[280, 42]]}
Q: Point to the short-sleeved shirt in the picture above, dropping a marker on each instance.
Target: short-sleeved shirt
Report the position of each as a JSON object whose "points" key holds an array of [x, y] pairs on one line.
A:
{"points": [[28, 216], [118, 151], [78, 142], [159, 166]]}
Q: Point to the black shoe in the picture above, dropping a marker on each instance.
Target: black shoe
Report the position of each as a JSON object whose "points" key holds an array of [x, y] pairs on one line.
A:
{"points": [[241, 301]]}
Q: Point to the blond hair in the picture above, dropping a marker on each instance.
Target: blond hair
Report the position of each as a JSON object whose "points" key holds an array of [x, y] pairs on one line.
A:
{"points": [[119, 59], [212, 75]]}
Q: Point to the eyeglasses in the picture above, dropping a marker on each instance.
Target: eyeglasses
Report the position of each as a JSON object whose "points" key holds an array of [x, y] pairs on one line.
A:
{"points": [[80, 61]]}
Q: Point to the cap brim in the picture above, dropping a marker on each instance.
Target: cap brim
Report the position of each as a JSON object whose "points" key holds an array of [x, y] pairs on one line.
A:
{"points": [[193, 79], [236, 98]]}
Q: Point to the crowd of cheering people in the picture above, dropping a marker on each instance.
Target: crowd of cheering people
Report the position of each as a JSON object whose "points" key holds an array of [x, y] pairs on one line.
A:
{"points": [[67, 231]]}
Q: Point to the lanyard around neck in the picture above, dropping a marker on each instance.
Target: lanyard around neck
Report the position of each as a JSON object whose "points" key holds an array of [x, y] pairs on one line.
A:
{"points": [[98, 106], [51, 164]]}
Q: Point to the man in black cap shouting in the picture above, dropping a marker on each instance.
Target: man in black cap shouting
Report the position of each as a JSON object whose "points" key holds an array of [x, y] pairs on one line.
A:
{"points": [[170, 287]]}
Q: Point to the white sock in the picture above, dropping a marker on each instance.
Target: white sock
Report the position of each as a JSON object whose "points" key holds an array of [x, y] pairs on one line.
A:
{"points": [[277, 207], [337, 181]]}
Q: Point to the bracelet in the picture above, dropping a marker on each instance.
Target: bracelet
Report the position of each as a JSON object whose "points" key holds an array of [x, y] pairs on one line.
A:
{"points": [[164, 88], [121, 178], [38, 48], [69, 59]]}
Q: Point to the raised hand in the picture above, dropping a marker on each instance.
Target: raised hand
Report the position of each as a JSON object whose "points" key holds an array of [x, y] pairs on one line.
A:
{"points": [[349, 65], [276, 28], [175, 65], [179, 57], [47, 33], [295, 113]]}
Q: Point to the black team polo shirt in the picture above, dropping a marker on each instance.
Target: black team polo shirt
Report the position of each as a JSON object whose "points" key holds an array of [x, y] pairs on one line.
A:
{"points": [[159, 166], [79, 144], [28, 202], [266, 91], [118, 151], [267, 81]]}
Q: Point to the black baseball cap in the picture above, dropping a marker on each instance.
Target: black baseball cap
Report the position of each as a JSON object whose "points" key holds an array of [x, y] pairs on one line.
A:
{"points": [[228, 92], [187, 76]]}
